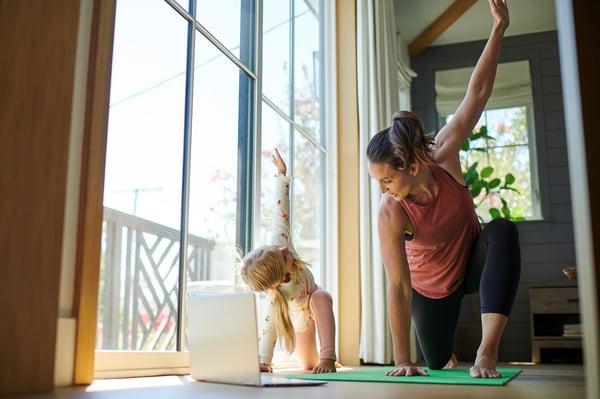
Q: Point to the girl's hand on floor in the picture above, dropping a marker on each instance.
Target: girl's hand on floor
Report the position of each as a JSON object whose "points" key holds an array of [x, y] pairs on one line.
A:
{"points": [[266, 368]]}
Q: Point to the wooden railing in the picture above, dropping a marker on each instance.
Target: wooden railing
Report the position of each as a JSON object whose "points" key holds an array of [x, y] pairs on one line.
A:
{"points": [[140, 281]]}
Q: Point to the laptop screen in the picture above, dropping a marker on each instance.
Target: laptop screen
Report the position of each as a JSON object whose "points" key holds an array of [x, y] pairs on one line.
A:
{"points": [[223, 338]]}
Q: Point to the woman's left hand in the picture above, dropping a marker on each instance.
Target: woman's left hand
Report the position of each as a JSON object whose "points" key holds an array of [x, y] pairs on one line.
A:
{"points": [[500, 12], [407, 370]]}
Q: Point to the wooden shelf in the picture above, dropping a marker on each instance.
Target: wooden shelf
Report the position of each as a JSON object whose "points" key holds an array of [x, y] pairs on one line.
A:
{"points": [[552, 308]]}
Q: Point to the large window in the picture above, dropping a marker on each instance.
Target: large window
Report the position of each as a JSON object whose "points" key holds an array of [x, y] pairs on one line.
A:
{"points": [[200, 95], [506, 149], [509, 146]]}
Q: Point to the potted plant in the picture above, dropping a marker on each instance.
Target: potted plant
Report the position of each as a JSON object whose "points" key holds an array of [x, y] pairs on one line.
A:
{"points": [[485, 186]]}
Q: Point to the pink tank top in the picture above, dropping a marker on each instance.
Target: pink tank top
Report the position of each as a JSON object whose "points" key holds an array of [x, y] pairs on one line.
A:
{"points": [[443, 233]]}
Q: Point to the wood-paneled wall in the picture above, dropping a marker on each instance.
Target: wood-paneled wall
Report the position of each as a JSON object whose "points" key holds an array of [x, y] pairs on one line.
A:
{"points": [[37, 50]]}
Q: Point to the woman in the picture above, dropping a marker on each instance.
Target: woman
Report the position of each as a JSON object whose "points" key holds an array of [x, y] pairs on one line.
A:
{"points": [[432, 245]]}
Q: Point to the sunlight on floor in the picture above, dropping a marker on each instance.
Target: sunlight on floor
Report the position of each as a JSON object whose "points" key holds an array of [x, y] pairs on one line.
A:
{"points": [[137, 382], [109, 384]]}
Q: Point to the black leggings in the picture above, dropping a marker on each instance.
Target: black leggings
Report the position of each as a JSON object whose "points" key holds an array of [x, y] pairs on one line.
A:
{"points": [[493, 269]]}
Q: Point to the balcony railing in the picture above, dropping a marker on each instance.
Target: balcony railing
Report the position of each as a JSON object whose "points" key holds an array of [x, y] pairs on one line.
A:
{"points": [[140, 281]]}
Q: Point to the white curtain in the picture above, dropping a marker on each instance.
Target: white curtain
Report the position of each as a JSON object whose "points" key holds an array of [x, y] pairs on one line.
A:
{"points": [[383, 74]]}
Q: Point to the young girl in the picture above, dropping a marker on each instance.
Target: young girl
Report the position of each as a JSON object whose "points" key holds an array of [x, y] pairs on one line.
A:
{"points": [[296, 306]]}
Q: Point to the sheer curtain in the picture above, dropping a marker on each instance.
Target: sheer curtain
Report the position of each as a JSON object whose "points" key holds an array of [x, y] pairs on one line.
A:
{"points": [[383, 79]]}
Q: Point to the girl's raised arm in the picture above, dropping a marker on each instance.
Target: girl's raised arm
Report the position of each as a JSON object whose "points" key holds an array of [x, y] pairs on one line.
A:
{"points": [[281, 232]]}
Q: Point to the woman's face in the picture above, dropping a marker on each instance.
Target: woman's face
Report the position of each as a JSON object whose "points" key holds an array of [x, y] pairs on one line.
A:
{"points": [[393, 182]]}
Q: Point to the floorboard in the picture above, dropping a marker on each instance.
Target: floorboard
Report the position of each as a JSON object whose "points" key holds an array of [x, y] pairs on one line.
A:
{"points": [[534, 382]]}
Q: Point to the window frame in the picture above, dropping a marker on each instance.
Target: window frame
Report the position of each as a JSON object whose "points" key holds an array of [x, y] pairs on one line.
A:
{"points": [[112, 364]]}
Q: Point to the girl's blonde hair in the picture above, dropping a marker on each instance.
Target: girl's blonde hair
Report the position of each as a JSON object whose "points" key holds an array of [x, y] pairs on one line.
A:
{"points": [[262, 271]]}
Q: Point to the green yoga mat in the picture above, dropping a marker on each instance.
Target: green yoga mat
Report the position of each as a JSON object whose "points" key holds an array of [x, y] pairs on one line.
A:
{"points": [[457, 376]]}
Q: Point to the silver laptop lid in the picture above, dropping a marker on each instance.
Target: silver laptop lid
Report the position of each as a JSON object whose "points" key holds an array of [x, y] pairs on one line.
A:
{"points": [[222, 338]]}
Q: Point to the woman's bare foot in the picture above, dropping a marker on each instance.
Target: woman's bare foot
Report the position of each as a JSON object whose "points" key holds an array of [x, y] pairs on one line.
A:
{"points": [[492, 326], [451, 363], [484, 367], [324, 366]]}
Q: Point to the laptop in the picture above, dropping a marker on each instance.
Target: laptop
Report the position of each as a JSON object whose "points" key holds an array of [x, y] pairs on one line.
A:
{"points": [[223, 341]]}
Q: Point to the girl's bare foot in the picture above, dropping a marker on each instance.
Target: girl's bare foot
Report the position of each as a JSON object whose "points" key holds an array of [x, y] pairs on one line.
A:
{"points": [[324, 366]]}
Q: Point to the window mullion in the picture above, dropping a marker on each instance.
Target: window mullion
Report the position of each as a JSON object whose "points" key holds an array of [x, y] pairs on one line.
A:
{"points": [[185, 194]]}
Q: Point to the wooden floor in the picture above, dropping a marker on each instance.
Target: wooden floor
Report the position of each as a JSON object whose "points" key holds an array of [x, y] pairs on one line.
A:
{"points": [[535, 381]]}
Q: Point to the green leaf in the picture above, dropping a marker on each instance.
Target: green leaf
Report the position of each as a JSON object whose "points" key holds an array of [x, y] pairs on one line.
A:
{"points": [[471, 174], [494, 213], [518, 213], [509, 178], [494, 183], [486, 172], [476, 136], [481, 136], [511, 189]]}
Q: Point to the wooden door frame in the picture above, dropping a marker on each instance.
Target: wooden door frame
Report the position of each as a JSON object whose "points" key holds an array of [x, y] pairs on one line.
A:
{"points": [[87, 267]]}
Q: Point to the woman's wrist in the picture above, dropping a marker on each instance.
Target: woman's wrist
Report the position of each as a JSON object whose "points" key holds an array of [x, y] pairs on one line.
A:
{"points": [[500, 25]]}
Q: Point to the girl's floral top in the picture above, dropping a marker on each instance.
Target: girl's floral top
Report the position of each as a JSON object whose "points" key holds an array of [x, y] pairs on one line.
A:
{"points": [[301, 285]]}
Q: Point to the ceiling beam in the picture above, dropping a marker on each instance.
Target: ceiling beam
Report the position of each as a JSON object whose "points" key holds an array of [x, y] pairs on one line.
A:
{"points": [[439, 26]]}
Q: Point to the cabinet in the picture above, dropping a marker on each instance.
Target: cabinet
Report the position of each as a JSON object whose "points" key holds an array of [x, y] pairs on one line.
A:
{"points": [[555, 324]]}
